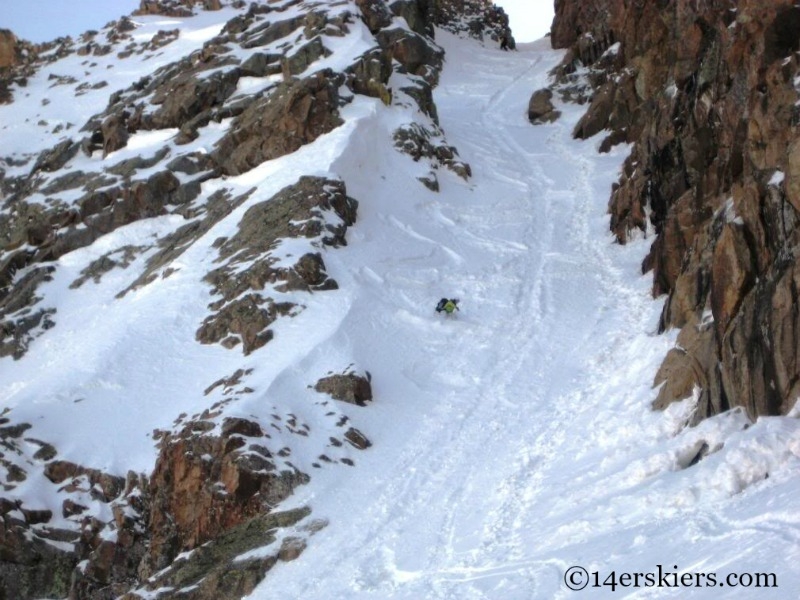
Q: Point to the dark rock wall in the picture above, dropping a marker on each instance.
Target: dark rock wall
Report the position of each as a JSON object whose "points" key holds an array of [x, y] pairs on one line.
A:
{"points": [[706, 91], [217, 481]]}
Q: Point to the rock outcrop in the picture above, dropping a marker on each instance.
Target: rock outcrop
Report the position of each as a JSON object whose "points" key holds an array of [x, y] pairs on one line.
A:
{"points": [[209, 479], [8, 49], [206, 523], [478, 18], [295, 114], [708, 95], [314, 208]]}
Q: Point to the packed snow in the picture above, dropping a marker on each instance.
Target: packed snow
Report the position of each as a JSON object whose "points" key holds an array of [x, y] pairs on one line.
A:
{"points": [[511, 442]]}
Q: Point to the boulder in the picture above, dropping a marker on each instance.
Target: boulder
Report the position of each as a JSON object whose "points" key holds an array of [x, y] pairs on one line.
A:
{"points": [[540, 107], [346, 387]]}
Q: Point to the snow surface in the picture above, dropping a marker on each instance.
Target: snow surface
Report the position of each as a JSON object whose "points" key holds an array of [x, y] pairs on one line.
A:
{"points": [[510, 442], [517, 440]]}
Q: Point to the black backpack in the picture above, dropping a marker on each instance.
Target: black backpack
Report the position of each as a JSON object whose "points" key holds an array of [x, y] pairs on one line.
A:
{"points": [[444, 301]]}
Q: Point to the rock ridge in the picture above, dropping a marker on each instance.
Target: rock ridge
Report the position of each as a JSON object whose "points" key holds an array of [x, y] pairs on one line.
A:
{"points": [[707, 94]]}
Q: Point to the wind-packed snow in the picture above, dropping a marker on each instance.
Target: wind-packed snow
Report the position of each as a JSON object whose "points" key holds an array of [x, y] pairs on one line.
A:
{"points": [[510, 442], [517, 440]]}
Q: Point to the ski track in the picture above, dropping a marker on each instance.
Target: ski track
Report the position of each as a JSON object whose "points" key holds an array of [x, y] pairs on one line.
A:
{"points": [[511, 441], [532, 240], [521, 442]]}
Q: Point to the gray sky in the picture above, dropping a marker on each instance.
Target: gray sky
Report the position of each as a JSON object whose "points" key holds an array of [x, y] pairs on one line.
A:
{"points": [[44, 20], [530, 19]]}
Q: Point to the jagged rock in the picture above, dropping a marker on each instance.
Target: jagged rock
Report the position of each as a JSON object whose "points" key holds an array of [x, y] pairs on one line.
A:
{"points": [[683, 368], [190, 164], [296, 211], [792, 181], [731, 275], [19, 324], [8, 49], [109, 567], [213, 571], [167, 8], [477, 18], [291, 549], [99, 267], [127, 168], [415, 12], [310, 269], [370, 74], [104, 487], [228, 384], [260, 64], [115, 134], [418, 142], [357, 439], [705, 177], [294, 114], [30, 567], [204, 485], [422, 93], [347, 387], [375, 14], [57, 157], [247, 319], [183, 98], [596, 118], [301, 59], [415, 53], [541, 109], [270, 32], [430, 181]]}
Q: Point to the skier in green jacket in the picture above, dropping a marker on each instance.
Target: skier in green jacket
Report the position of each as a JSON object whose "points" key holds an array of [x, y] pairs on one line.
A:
{"points": [[448, 305]]}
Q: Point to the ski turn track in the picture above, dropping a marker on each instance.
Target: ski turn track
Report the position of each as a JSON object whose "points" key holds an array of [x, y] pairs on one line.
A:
{"points": [[504, 443]]}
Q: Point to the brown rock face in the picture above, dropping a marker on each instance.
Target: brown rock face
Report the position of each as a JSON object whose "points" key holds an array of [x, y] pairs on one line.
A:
{"points": [[296, 113], [708, 95], [207, 483], [347, 387], [314, 208], [375, 13], [8, 49]]}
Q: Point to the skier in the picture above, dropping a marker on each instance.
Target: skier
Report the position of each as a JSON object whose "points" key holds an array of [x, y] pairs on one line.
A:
{"points": [[448, 305], [504, 42]]}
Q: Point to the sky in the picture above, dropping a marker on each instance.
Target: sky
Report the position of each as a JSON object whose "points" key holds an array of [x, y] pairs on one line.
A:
{"points": [[45, 20], [530, 19]]}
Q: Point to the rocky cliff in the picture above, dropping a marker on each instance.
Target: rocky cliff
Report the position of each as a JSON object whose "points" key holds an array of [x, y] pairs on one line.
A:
{"points": [[707, 94], [166, 148]]}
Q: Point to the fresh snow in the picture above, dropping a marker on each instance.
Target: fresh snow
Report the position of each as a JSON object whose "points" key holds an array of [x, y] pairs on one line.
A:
{"points": [[517, 439], [511, 442]]}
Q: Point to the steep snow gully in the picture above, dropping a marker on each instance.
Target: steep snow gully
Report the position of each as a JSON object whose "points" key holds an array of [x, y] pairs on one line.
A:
{"points": [[516, 440]]}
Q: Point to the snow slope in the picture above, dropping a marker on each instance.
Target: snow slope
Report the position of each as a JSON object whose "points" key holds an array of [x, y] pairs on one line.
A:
{"points": [[516, 440], [510, 442]]}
